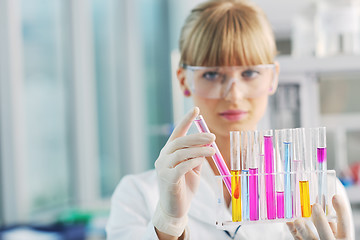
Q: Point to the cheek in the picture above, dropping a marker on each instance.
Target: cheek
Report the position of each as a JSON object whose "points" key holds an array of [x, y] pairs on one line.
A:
{"points": [[259, 107], [208, 110], [207, 106]]}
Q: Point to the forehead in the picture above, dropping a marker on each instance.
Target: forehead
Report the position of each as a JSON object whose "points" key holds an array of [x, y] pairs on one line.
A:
{"points": [[234, 39]]}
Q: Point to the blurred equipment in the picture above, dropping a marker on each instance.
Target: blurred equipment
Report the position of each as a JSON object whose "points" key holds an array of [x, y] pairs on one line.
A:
{"points": [[327, 28]]}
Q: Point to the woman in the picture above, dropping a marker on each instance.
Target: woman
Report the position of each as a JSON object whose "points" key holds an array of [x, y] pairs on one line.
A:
{"points": [[227, 66]]}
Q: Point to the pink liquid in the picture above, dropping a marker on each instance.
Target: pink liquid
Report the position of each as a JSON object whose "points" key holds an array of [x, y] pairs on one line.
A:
{"points": [[217, 158], [321, 155], [280, 204], [253, 194], [269, 177], [221, 166]]}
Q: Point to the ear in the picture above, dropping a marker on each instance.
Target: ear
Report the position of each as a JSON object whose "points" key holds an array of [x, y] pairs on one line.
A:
{"points": [[181, 76], [276, 79]]}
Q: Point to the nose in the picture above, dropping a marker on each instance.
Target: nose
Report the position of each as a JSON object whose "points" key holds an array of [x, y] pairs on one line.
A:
{"points": [[236, 91]]}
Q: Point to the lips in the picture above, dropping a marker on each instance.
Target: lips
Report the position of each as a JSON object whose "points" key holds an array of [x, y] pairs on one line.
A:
{"points": [[234, 115]]}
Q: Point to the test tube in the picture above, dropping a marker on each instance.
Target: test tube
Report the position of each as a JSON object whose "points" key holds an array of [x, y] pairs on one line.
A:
{"points": [[321, 160], [253, 171], [287, 177], [217, 158], [244, 176], [261, 168], [279, 174], [269, 175], [304, 176], [296, 168], [312, 167], [235, 175]]}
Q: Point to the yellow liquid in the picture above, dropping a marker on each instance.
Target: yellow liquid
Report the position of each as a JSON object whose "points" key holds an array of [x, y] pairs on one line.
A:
{"points": [[236, 196], [305, 198]]}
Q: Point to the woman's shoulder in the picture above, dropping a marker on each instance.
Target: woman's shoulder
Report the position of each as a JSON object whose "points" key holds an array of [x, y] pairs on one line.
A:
{"points": [[147, 178], [144, 183]]}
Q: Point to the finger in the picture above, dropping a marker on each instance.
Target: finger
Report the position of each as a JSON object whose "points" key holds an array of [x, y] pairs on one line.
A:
{"points": [[333, 227], [320, 222], [187, 165], [185, 123], [343, 217], [292, 228], [188, 153], [303, 230], [197, 139]]}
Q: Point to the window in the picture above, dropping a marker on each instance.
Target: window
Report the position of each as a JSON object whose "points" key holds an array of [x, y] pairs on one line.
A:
{"points": [[46, 102], [144, 35], [94, 101]]}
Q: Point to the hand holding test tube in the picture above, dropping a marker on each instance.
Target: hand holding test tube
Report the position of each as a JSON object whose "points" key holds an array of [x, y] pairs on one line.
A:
{"points": [[177, 169], [218, 159]]}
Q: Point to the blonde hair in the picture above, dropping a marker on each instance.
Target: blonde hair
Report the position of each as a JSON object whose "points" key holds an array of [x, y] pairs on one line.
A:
{"points": [[225, 33]]}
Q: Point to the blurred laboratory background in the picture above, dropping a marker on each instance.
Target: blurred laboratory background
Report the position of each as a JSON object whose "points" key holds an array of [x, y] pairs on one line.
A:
{"points": [[88, 94]]}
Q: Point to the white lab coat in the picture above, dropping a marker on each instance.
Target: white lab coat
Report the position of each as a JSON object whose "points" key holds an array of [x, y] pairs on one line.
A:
{"points": [[135, 198]]}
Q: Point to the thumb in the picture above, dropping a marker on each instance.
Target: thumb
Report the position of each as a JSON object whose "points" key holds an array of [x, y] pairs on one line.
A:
{"points": [[185, 123]]}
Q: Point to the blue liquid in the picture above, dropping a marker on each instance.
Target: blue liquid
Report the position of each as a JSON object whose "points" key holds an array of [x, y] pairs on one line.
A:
{"points": [[287, 182], [245, 195]]}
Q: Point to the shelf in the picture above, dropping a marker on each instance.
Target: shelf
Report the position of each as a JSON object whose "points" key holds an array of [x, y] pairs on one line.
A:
{"points": [[301, 65]]}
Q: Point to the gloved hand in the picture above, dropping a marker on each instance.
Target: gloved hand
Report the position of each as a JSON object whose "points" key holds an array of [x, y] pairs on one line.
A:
{"points": [[326, 230], [178, 171]]}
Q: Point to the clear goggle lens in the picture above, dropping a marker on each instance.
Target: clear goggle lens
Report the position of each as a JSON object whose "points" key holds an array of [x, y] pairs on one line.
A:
{"points": [[216, 82]]}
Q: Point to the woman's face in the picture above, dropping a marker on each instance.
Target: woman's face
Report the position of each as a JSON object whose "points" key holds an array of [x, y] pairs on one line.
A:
{"points": [[234, 112]]}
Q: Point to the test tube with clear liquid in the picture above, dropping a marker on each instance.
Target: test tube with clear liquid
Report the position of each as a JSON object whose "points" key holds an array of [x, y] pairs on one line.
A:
{"points": [[279, 166]]}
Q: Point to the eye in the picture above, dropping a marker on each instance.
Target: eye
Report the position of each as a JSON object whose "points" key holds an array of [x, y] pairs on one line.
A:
{"points": [[250, 74], [212, 75]]}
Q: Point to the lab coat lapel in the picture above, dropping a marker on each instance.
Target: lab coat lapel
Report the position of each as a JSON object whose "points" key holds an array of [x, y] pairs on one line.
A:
{"points": [[204, 203]]}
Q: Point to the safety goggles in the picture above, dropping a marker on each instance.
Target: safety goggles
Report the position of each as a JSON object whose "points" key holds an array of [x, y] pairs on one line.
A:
{"points": [[216, 82]]}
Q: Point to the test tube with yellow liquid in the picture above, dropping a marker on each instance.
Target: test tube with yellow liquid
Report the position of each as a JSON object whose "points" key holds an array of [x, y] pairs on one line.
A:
{"points": [[235, 176], [304, 168]]}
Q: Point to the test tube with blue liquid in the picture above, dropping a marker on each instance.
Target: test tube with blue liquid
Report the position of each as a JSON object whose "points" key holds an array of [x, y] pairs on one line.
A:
{"points": [[244, 176], [287, 169]]}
